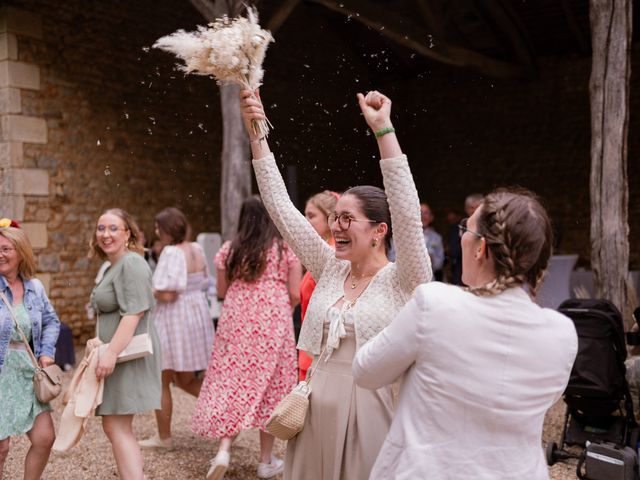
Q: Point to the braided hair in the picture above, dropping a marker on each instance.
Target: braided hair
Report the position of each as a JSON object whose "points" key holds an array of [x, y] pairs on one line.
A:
{"points": [[517, 231]]}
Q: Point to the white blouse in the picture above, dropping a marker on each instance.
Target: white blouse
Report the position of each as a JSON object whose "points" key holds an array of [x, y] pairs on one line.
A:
{"points": [[388, 290]]}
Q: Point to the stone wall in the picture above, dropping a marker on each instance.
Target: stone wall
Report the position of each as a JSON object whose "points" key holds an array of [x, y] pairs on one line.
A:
{"points": [[90, 119]]}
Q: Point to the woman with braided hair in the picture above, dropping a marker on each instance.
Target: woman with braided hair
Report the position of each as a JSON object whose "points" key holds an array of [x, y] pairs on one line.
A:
{"points": [[480, 365]]}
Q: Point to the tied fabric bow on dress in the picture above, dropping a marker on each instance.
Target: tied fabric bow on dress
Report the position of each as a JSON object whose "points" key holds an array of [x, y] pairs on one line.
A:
{"points": [[82, 398], [337, 319]]}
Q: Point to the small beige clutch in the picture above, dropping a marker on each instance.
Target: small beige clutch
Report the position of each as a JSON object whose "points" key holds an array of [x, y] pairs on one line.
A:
{"points": [[140, 346]]}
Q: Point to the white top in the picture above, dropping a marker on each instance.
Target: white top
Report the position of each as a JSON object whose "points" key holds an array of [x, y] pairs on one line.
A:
{"points": [[388, 290], [480, 374]]}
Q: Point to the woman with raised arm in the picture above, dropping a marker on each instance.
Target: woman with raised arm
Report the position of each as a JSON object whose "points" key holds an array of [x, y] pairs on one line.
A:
{"points": [[358, 293]]}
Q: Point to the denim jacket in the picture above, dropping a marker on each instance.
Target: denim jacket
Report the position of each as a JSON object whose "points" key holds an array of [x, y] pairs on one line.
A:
{"points": [[45, 325]]}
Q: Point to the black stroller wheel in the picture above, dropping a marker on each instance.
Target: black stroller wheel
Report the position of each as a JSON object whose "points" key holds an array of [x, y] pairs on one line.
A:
{"points": [[551, 453]]}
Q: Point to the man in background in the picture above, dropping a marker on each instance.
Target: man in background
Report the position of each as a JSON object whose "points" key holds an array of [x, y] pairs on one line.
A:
{"points": [[471, 203], [433, 241]]}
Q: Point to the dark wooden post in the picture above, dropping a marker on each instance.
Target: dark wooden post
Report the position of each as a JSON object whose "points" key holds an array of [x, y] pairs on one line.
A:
{"points": [[235, 182], [611, 23]]}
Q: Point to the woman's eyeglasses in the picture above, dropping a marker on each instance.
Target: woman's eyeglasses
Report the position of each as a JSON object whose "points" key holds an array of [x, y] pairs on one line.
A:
{"points": [[344, 220], [111, 228], [462, 227], [4, 251]]}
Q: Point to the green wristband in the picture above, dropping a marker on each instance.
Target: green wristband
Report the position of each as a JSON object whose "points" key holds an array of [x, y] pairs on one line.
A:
{"points": [[384, 131]]}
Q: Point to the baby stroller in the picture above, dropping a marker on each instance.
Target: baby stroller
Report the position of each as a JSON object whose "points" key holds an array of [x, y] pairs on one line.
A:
{"points": [[599, 406]]}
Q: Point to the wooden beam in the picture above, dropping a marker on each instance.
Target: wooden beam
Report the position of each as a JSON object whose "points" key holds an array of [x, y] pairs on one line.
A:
{"points": [[281, 15], [507, 23], [611, 24], [458, 56], [209, 9], [431, 19], [235, 181]]}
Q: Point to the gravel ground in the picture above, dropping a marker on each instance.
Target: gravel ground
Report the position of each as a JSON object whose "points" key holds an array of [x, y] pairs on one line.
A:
{"points": [[92, 458]]}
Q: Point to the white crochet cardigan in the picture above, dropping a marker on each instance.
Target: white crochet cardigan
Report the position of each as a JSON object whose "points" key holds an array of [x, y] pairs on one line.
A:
{"points": [[388, 290]]}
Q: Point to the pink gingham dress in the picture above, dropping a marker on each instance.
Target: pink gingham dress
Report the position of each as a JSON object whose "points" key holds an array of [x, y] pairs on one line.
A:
{"points": [[184, 326], [253, 363]]}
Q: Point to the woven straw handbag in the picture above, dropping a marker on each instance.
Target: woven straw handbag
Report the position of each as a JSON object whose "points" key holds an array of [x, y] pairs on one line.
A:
{"points": [[287, 419]]}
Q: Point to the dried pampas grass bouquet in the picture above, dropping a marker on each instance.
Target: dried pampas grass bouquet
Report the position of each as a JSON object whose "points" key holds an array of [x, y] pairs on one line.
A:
{"points": [[230, 49]]}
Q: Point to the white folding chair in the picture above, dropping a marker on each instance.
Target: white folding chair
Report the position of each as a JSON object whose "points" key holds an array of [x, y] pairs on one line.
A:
{"points": [[555, 286]]}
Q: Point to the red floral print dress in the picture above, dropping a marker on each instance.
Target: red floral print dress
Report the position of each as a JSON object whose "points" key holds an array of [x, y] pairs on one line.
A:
{"points": [[253, 362]]}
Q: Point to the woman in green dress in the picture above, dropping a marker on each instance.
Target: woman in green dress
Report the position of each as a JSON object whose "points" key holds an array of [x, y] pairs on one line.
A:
{"points": [[122, 300], [20, 410]]}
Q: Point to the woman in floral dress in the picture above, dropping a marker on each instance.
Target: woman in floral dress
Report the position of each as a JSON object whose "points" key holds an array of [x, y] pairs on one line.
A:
{"points": [[20, 410], [253, 363]]}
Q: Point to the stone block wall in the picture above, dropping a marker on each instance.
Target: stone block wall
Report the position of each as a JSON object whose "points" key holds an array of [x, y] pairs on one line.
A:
{"points": [[91, 118]]}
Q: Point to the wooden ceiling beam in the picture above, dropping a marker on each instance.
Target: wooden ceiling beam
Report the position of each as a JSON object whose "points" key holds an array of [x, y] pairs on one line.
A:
{"points": [[431, 19], [282, 14], [372, 16], [509, 24]]}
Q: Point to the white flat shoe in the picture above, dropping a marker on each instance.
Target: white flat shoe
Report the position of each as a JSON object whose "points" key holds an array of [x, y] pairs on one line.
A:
{"points": [[268, 470], [219, 466]]}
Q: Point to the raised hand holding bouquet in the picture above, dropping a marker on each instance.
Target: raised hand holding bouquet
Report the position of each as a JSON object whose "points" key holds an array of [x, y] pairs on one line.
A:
{"points": [[230, 49]]}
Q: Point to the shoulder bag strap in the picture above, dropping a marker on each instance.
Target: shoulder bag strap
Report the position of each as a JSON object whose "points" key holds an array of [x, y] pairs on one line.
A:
{"points": [[24, 338], [316, 365]]}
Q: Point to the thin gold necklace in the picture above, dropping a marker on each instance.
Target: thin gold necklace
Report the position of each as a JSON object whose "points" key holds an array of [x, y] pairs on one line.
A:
{"points": [[354, 280]]}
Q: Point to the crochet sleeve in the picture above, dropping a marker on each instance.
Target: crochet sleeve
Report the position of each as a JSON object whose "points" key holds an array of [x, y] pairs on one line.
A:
{"points": [[305, 242], [412, 259]]}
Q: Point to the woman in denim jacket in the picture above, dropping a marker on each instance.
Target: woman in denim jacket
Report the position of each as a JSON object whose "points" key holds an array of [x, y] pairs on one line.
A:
{"points": [[20, 411]]}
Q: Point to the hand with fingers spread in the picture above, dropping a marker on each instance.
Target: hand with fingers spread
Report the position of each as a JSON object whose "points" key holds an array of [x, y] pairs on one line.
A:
{"points": [[376, 109]]}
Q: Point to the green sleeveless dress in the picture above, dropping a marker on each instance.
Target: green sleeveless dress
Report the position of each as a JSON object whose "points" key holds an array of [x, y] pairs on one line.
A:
{"points": [[125, 289], [19, 406]]}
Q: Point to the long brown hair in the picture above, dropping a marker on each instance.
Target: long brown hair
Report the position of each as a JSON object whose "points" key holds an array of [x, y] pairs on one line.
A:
{"points": [[256, 233], [517, 230], [174, 223]]}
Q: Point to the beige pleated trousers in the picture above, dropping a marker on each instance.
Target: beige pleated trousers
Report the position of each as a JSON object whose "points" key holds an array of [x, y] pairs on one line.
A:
{"points": [[345, 425]]}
